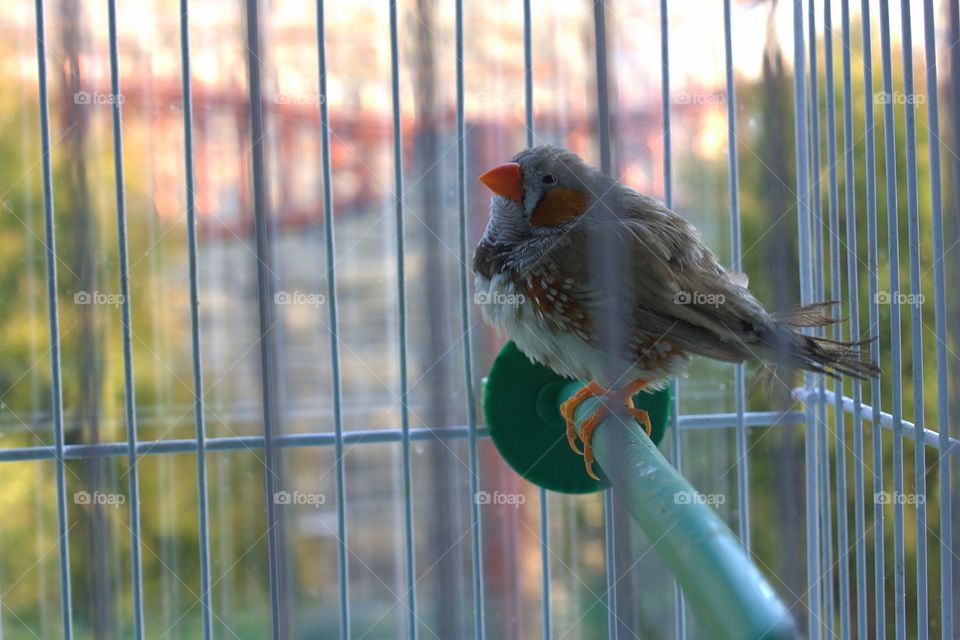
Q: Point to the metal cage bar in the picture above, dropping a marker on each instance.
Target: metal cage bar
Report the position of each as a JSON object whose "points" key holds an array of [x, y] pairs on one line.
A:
{"points": [[199, 416], [265, 286], [545, 587], [688, 422], [816, 211], [733, 179], [940, 323], [818, 226], [606, 165], [929, 438], [806, 294], [476, 549], [408, 539], [130, 401], [853, 287], [50, 254], [343, 566], [916, 317], [893, 249], [874, 318], [836, 293], [676, 444]]}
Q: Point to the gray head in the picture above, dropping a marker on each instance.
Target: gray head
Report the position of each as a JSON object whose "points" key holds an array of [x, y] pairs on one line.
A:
{"points": [[541, 193]]}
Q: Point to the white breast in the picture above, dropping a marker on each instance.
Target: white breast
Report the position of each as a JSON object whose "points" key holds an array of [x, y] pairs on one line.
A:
{"points": [[505, 306]]}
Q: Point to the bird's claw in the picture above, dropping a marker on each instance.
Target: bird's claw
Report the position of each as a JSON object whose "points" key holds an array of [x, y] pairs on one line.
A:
{"points": [[643, 418], [572, 438], [567, 410], [586, 435], [569, 407]]}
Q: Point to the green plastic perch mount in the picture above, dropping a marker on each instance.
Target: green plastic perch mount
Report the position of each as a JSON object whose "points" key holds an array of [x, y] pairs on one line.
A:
{"points": [[726, 591]]}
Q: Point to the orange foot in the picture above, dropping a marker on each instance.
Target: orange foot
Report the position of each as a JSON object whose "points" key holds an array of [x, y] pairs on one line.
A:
{"points": [[593, 390]]}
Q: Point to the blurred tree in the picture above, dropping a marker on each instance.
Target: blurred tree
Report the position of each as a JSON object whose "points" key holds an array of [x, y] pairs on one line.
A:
{"points": [[76, 208]]}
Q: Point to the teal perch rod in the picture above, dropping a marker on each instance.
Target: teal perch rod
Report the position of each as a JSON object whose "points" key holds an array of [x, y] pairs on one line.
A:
{"points": [[725, 590]]}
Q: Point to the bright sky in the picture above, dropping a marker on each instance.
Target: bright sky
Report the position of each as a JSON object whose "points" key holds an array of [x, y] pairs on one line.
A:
{"points": [[702, 23]]}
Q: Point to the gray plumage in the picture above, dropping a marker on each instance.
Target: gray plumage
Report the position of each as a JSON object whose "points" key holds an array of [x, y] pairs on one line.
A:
{"points": [[674, 290]]}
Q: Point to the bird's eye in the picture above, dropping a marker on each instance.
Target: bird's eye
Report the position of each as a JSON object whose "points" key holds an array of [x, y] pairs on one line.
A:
{"points": [[549, 179]]}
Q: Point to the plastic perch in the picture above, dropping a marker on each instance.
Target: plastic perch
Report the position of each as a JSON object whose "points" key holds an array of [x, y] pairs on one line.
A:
{"points": [[724, 589]]}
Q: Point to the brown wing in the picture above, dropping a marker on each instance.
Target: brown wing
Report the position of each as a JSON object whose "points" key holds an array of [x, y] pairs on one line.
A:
{"points": [[679, 289]]}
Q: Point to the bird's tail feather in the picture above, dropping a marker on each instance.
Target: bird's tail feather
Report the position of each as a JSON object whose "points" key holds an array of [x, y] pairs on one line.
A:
{"points": [[820, 355], [810, 315]]}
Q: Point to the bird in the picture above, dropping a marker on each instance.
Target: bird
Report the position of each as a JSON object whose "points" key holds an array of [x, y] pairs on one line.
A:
{"points": [[602, 283]]}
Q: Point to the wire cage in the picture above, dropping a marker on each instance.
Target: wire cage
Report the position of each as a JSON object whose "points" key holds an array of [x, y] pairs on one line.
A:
{"points": [[242, 358]]}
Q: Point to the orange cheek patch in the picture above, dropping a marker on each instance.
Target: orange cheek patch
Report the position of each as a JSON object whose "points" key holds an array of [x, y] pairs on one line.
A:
{"points": [[558, 206]]}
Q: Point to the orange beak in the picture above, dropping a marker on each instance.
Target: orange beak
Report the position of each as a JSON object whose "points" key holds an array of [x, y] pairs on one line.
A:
{"points": [[505, 180]]}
